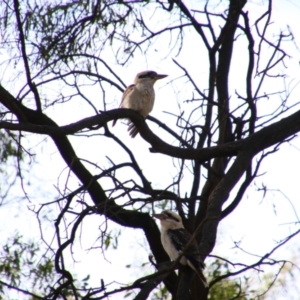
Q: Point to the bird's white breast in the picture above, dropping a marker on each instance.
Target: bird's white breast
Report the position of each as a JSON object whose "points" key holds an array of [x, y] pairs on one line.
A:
{"points": [[140, 98]]}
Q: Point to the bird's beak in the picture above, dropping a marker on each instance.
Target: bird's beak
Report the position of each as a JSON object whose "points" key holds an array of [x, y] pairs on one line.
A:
{"points": [[159, 216], [160, 76]]}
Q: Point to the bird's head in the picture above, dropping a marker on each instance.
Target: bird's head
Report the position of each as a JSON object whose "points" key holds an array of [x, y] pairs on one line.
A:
{"points": [[148, 76], [169, 219]]}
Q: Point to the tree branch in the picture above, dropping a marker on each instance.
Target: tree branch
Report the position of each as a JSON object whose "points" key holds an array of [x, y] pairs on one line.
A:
{"points": [[25, 57]]}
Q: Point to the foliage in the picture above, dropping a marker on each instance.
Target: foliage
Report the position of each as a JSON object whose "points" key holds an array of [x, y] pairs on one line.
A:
{"points": [[7, 147], [22, 269], [20, 263]]}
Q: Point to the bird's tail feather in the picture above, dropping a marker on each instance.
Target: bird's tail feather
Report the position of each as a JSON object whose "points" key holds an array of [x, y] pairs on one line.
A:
{"points": [[133, 131], [198, 270], [202, 278]]}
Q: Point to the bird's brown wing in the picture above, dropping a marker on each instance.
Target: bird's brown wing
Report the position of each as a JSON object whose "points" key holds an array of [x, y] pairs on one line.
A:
{"points": [[126, 92], [180, 238]]}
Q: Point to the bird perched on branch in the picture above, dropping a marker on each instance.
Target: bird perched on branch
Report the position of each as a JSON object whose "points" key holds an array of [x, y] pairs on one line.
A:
{"points": [[140, 96], [175, 237]]}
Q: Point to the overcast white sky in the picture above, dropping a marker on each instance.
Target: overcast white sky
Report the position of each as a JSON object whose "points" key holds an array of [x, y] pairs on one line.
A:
{"points": [[255, 224]]}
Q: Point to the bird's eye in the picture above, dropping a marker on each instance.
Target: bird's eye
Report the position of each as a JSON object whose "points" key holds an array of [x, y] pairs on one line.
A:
{"points": [[147, 74], [172, 217]]}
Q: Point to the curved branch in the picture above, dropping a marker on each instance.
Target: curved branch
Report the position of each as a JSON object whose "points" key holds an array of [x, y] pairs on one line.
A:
{"points": [[217, 199], [105, 206], [259, 262], [260, 140], [13, 287], [25, 57]]}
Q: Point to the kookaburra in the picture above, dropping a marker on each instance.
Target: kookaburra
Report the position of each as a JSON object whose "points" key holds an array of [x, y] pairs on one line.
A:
{"points": [[140, 96], [174, 238]]}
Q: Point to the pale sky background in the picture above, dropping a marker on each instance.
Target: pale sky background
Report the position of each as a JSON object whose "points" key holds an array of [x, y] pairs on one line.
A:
{"points": [[255, 224]]}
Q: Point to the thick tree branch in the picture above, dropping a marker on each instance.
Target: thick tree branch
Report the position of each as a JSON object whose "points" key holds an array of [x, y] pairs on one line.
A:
{"points": [[105, 206], [266, 137], [217, 199]]}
